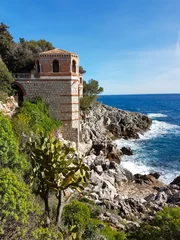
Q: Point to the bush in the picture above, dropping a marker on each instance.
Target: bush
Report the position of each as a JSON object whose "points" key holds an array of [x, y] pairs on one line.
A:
{"points": [[76, 214], [6, 79], [47, 234], [96, 228], [9, 153], [165, 226], [87, 101], [34, 118], [16, 204]]}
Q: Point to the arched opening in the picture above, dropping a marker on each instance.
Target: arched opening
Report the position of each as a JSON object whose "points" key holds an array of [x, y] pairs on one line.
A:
{"points": [[38, 67], [55, 66], [81, 81], [19, 93], [74, 66]]}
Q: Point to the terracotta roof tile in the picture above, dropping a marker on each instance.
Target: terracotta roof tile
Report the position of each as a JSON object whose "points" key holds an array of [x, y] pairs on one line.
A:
{"points": [[57, 51]]}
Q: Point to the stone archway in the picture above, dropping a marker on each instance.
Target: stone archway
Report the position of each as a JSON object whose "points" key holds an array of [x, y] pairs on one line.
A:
{"points": [[19, 92]]}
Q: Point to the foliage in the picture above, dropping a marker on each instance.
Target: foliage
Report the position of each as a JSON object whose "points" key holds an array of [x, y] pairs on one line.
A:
{"points": [[34, 117], [16, 204], [90, 91], [9, 153], [82, 70], [6, 79], [50, 233], [5, 40], [96, 228], [56, 167], [165, 226], [77, 215], [92, 88], [87, 101], [20, 56]]}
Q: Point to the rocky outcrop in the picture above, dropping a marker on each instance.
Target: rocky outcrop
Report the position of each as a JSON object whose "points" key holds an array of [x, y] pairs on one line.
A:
{"points": [[102, 124], [124, 202], [9, 107]]}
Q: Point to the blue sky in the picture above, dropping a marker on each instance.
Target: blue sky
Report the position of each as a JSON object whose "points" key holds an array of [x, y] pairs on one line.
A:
{"points": [[129, 46]]}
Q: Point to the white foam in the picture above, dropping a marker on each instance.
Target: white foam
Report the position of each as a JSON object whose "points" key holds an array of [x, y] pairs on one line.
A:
{"points": [[156, 115], [159, 128], [137, 163]]}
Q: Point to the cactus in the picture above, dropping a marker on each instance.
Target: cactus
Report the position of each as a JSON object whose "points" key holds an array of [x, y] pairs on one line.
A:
{"points": [[57, 167]]}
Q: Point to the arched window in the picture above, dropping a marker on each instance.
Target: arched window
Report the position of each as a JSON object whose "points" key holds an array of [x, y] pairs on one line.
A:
{"points": [[38, 67], [74, 66], [55, 66]]}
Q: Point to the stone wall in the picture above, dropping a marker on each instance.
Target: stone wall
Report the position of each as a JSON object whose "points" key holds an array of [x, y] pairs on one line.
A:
{"points": [[62, 96]]}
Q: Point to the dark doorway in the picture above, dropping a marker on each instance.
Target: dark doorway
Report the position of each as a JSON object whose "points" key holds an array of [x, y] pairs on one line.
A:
{"points": [[55, 66]]}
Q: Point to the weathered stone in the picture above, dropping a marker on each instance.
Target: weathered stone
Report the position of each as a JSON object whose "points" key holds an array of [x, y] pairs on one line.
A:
{"points": [[176, 181], [127, 151]]}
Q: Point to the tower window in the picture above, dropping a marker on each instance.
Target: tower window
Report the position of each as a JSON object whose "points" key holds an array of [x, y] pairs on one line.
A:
{"points": [[74, 66], [55, 66]]}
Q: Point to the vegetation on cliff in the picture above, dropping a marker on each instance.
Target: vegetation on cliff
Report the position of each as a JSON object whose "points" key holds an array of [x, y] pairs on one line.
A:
{"points": [[91, 89], [43, 166], [6, 80]]}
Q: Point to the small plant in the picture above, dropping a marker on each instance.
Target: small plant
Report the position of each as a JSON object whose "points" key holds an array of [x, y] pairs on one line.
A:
{"points": [[50, 233], [17, 204], [76, 216]]}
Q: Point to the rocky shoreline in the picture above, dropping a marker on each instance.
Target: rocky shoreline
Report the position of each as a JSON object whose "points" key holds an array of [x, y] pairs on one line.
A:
{"points": [[102, 124], [126, 199]]}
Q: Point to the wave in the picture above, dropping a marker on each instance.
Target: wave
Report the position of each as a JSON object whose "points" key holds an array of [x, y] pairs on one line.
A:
{"points": [[156, 115], [140, 161], [160, 128]]}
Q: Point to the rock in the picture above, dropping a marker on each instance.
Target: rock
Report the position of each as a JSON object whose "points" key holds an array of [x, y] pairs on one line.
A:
{"points": [[176, 181], [155, 174], [148, 179], [101, 124], [132, 225], [126, 151]]}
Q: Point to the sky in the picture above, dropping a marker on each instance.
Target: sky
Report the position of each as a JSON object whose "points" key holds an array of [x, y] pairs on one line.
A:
{"points": [[129, 46]]}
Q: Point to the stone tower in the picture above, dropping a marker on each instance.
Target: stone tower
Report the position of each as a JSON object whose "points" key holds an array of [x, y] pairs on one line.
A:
{"points": [[57, 80]]}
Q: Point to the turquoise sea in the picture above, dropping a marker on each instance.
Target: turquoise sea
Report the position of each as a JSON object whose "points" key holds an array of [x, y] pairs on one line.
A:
{"points": [[159, 148]]}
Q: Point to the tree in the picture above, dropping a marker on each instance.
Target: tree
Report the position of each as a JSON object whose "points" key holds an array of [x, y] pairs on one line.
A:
{"points": [[5, 40], [92, 88], [6, 79], [17, 204], [56, 167], [90, 91], [82, 70]]}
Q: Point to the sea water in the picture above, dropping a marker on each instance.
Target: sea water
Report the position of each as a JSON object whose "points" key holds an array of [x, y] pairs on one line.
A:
{"points": [[159, 148]]}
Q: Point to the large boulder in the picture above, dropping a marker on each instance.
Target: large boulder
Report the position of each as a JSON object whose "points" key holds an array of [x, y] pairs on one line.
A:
{"points": [[176, 181]]}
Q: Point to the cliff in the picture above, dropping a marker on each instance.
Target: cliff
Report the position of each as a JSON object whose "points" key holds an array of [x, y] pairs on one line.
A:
{"points": [[102, 124], [124, 198]]}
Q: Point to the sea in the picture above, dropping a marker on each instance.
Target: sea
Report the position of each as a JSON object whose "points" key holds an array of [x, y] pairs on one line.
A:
{"points": [[158, 149]]}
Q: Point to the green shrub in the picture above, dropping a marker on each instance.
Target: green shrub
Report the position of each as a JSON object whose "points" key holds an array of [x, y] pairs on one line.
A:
{"points": [[165, 226], [6, 79], [111, 234], [16, 203], [87, 101], [95, 228], [34, 117], [9, 153], [50, 233], [76, 214]]}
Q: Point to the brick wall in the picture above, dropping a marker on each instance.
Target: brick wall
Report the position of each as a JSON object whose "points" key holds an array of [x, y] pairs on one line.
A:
{"points": [[62, 97]]}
